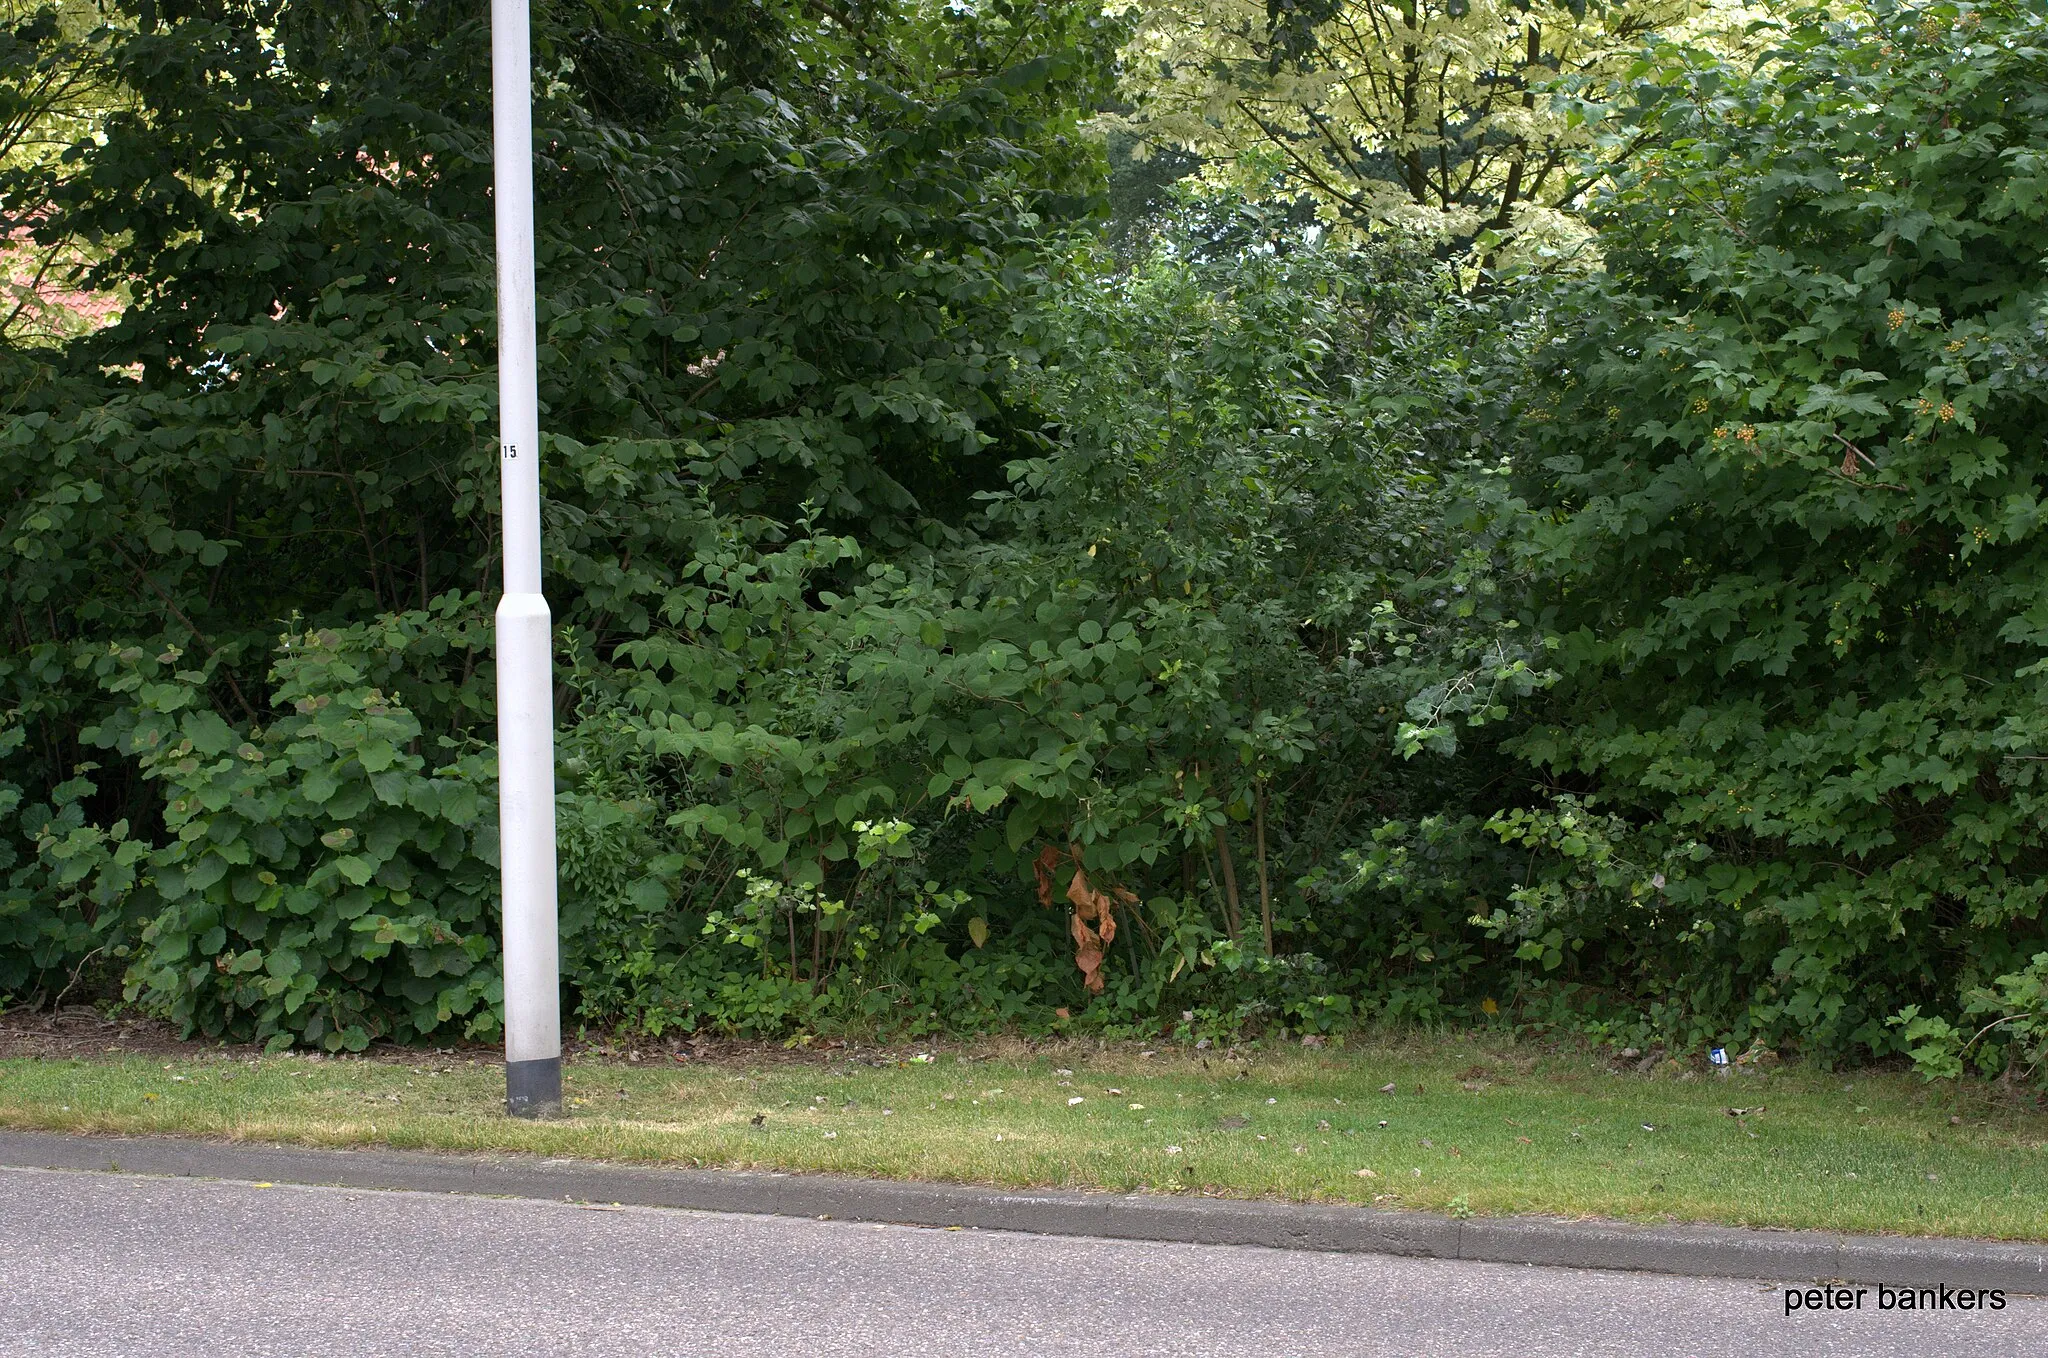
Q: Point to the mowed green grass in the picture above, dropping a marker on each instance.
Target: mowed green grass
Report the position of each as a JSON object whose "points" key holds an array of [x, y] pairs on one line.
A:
{"points": [[1471, 1125]]}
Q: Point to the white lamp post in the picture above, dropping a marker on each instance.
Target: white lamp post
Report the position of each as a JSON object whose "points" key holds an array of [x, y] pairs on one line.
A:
{"points": [[526, 718]]}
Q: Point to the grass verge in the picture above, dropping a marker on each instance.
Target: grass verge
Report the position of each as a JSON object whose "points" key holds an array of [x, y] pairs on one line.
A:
{"points": [[1470, 1126]]}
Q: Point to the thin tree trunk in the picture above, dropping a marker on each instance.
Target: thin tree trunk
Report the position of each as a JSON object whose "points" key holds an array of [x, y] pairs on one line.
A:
{"points": [[1411, 82], [838, 944], [1229, 880], [369, 546], [1265, 887], [1215, 878]]}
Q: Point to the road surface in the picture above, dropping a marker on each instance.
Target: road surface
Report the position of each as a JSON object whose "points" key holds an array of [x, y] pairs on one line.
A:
{"points": [[107, 1264]]}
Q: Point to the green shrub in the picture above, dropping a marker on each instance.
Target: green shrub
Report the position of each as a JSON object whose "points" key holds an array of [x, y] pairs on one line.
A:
{"points": [[321, 880], [65, 882], [1787, 520], [1174, 653], [776, 266], [2012, 1039]]}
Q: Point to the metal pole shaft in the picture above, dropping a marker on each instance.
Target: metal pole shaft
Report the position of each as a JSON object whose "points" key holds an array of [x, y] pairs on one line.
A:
{"points": [[526, 719]]}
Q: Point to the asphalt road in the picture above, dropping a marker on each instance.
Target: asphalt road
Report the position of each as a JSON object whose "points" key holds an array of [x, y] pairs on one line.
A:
{"points": [[107, 1264]]}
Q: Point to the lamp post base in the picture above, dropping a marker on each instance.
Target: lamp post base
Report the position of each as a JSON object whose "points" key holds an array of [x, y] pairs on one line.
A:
{"points": [[533, 1089]]}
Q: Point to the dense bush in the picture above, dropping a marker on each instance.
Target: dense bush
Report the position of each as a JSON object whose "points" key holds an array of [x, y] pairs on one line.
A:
{"points": [[774, 262], [1161, 669], [319, 879], [968, 622], [1786, 512]]}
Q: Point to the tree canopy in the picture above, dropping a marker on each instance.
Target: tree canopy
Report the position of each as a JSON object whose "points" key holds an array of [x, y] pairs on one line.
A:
{"points": [[1454, 119]]}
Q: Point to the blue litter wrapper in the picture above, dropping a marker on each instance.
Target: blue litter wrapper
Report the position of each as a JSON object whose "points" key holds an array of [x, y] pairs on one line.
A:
{"points": [[1719, 1056]]}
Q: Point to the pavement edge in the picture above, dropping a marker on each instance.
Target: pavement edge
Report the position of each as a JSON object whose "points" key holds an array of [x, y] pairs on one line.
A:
{"points": [[1710, 1251]]}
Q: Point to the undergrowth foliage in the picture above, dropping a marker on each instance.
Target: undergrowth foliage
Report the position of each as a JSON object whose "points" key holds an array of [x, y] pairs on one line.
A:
{"points": [[1787, 515], [967, 622], [320, 880], [1131, 694]]}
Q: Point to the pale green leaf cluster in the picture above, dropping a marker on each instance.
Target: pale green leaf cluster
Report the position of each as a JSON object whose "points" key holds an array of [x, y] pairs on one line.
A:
{"points": [[1452, 121]]}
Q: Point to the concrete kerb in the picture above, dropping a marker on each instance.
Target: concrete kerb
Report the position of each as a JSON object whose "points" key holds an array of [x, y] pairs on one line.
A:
{"points": [[1699, 1251]]}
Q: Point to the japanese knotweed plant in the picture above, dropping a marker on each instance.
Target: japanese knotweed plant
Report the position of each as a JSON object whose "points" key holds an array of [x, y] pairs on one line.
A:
{"points": [[321, 880]]}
